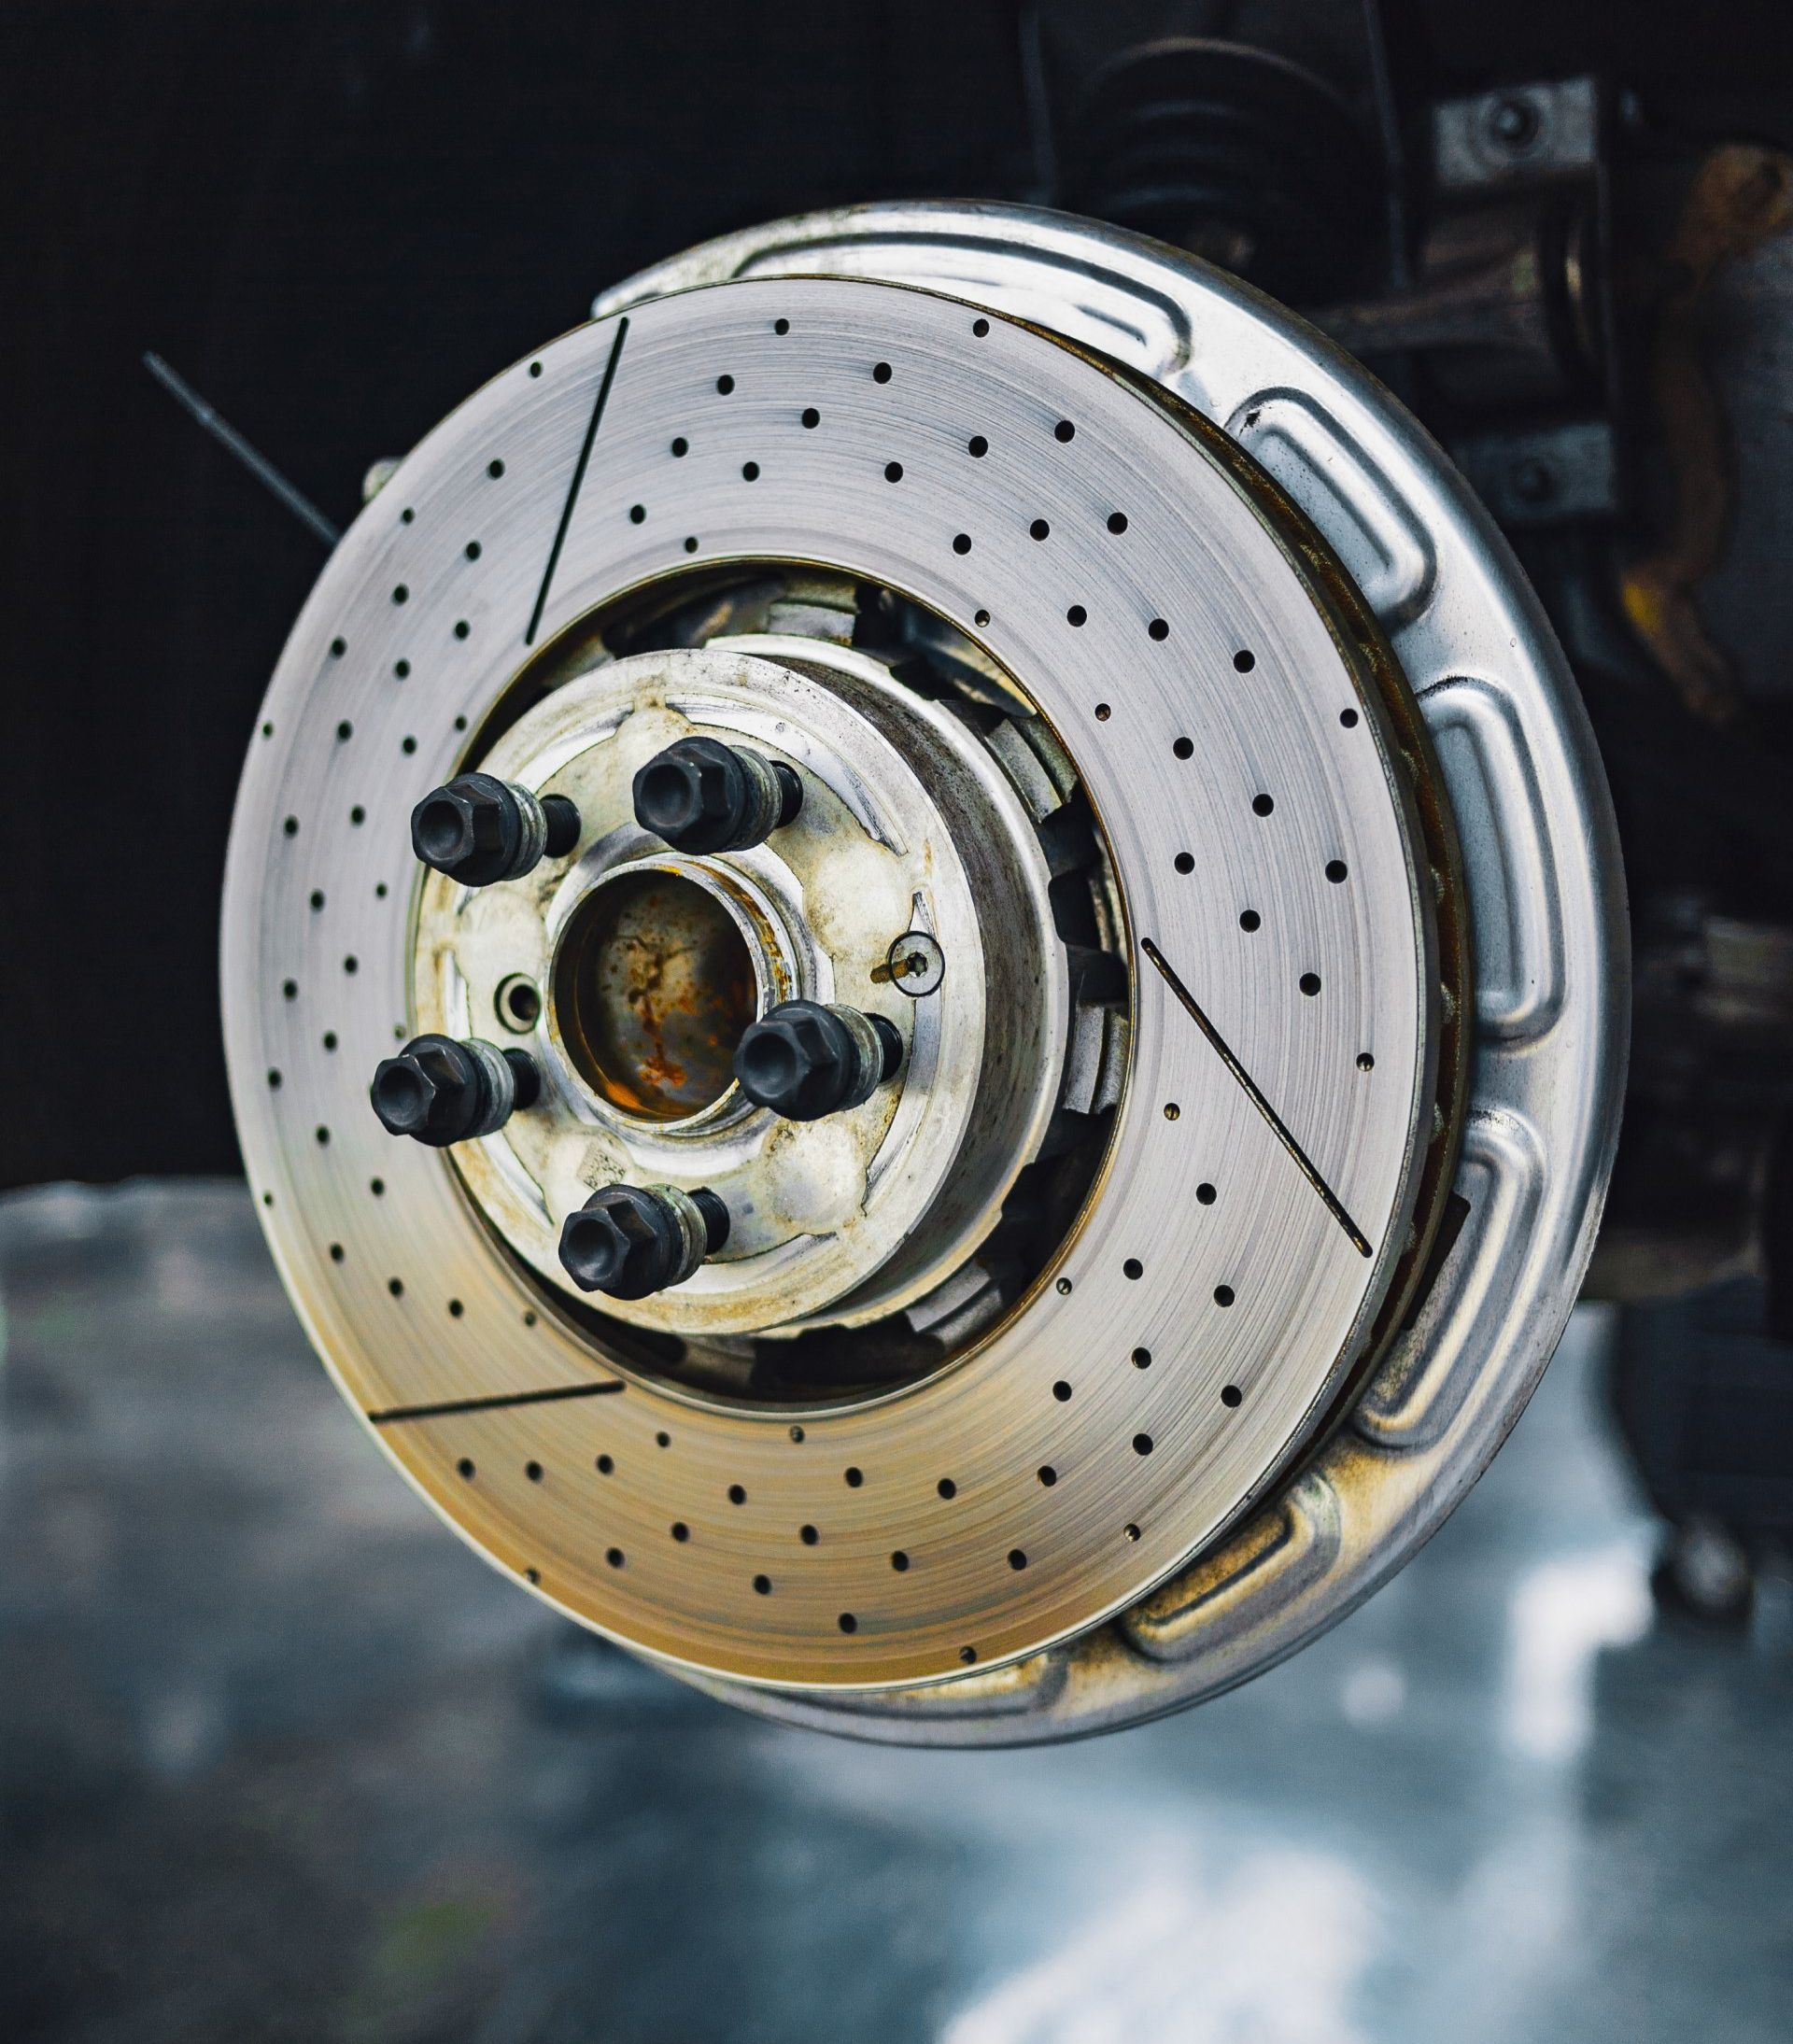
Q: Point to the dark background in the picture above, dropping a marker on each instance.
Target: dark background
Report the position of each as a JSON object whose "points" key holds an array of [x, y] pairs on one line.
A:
{"points": [[336, 220]]}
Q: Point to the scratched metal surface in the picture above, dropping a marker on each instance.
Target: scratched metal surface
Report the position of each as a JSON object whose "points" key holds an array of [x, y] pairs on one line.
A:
{"points": [[1235, 748]]}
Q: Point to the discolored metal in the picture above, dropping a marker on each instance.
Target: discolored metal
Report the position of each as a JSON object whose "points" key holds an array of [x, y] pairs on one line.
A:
{"points": [[654, 986], [1177, 637]]}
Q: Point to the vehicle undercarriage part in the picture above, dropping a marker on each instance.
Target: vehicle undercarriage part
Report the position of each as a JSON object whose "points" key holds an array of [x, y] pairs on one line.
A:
{"points": [[1031, 1209]]}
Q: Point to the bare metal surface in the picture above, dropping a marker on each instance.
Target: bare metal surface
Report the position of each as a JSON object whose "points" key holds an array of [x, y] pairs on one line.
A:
{"points": [[1176, 632], [1277, 1126], [1527, 132], [1547, 894]]}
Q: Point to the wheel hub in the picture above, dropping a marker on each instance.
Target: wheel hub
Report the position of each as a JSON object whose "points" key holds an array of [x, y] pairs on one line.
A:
{"points": [[652, 963]]}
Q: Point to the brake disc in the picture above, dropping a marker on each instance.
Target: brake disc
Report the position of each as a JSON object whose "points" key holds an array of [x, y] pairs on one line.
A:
{"points": [[1158, 719]]}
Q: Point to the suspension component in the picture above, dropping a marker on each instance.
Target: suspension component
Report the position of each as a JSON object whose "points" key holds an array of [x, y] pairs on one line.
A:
{"points": [[478, 829], [804, 1059], [703, 796], [632, 1241], [440, 1090]]}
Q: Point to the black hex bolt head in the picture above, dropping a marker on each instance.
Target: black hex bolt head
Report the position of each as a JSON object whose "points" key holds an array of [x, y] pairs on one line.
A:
{"points": [[439, 1091], [701, 795], [632, 1241], [478, 829], [804, 1060]]}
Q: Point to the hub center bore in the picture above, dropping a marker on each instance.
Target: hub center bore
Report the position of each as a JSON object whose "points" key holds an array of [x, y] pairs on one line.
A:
{"points": [[653, 987]]}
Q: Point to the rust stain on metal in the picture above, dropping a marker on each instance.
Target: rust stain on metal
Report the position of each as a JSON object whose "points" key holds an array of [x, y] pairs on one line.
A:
{"points": [[911, 967], [655, 989]]}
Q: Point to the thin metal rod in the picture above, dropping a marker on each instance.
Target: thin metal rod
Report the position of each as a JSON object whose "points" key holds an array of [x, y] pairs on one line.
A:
{"points": [[233, 442], [1279, 1126], [495, 1404], [1394, 162], [1038, 99]]}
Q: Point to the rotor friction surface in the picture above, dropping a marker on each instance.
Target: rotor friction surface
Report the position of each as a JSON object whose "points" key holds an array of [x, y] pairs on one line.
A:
{"points": [[1231, 1260]]}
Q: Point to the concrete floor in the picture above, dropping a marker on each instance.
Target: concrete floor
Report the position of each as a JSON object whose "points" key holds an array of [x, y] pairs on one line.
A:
{"points": [[280, 1758]]}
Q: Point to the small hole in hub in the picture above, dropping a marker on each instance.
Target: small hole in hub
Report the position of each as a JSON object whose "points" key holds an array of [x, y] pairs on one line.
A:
{"points": [[518, 1002]]}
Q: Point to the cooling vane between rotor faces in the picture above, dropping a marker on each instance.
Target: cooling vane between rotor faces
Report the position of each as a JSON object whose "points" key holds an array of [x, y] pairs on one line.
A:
{"points": [[907, 953]]}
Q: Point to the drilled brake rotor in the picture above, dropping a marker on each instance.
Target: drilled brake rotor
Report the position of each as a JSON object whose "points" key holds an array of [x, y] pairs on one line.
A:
{"points": [[1096, 727]]}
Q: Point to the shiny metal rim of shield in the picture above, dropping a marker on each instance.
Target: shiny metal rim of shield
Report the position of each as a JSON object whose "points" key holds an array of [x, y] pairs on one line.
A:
{"points": [[1549, 1018], [1228, 719]]}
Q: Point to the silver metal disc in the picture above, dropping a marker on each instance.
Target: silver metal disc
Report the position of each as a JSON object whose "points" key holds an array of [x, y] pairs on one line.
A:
{"points": [[1195, 655]]}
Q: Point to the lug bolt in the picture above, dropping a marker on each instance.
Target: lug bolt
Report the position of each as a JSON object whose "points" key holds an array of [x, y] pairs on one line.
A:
{"points": [[478, 829], [632, 1241], [804, 1060], [703, 796], [441, 1090]]}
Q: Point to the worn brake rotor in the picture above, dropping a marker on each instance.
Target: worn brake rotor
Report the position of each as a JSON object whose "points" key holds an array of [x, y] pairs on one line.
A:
{"points": [[1160, 717]]}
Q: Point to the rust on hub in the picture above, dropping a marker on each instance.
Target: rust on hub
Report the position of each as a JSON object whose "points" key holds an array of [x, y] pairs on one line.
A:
{"points": [[652, 988]]}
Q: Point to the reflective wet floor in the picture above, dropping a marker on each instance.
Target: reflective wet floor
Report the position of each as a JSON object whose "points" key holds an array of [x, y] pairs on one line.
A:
{"points": [[280, 1758]]}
